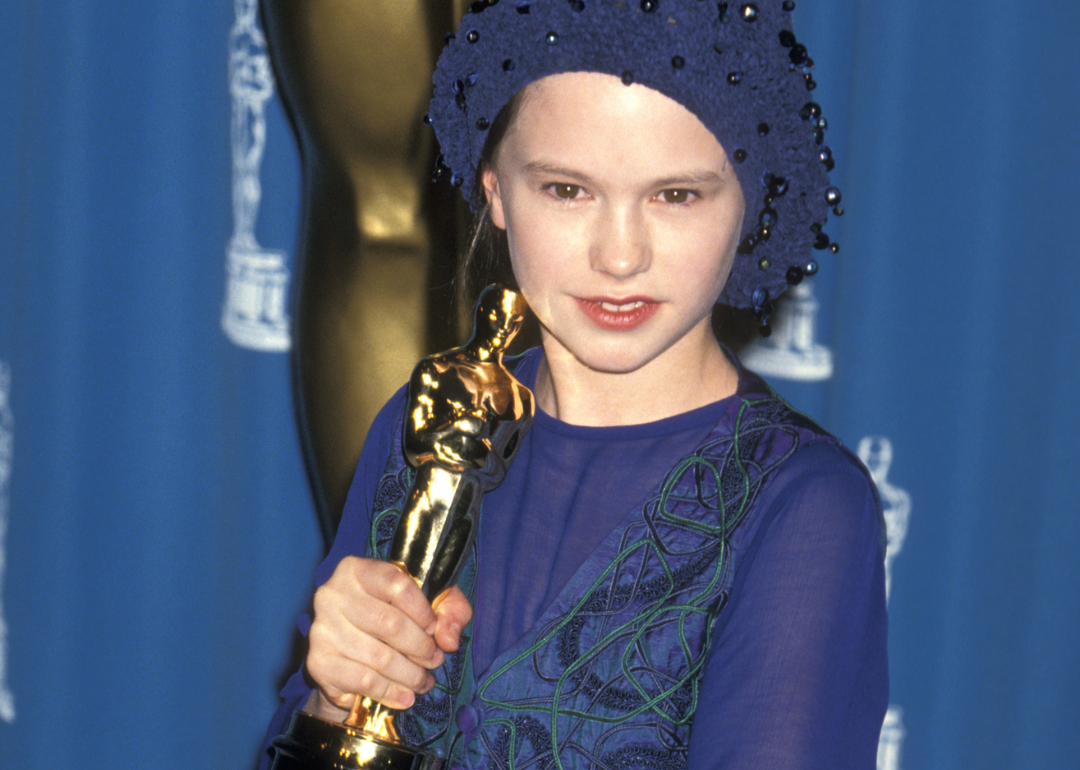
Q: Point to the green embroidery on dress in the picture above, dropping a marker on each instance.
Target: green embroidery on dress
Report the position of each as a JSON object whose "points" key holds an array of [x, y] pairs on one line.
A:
{"points": [[659, 580], [645, 621]]}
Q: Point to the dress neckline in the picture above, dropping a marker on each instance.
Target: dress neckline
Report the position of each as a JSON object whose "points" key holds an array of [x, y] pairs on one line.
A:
{"points": [[526, 367]]}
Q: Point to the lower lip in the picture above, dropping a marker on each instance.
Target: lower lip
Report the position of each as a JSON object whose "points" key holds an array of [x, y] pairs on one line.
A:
{"points": [[618, 320]]}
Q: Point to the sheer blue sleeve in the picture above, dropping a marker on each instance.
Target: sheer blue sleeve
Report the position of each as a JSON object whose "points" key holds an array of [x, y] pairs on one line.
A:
{"points": [[350, 540], [797, 676]]}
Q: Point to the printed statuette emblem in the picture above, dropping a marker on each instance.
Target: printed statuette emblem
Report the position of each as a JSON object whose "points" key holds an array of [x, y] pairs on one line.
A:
{"points": [[791, 352], [892, 738], [877, 454], [257, 279], [7, 450]]}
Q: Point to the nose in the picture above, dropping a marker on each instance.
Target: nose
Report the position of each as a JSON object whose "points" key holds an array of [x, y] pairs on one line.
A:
{"points": [[621, 246]]}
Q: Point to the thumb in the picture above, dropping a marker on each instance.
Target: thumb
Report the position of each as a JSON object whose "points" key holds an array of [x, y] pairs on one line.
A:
{"points": [[452, 613]]}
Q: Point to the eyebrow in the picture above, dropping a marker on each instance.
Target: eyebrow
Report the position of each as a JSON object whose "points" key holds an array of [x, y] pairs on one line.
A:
{"points": [[540, 167], [691, 178]]}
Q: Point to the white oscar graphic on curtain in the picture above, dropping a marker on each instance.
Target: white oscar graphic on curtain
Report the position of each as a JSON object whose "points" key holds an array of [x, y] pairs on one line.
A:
{"points": [[257, 289], [7, 447], [792, 352], [877, 454]]}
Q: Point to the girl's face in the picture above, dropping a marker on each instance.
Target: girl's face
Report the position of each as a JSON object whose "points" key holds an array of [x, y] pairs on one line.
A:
{"points": [[622, 216]]}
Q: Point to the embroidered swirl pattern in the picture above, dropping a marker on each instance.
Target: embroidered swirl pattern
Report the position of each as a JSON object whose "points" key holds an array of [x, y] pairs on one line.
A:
{"points": [[609, 677]]}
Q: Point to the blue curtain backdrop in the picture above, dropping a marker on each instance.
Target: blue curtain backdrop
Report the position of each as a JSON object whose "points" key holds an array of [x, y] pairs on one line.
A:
{"points": [[157, 538]]}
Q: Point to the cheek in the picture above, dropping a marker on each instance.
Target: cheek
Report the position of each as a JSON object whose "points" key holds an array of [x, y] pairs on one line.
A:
{"points": [[541, 251], [527, 256], [726, 247], [728, 233], [531, 259], [705, 250]]}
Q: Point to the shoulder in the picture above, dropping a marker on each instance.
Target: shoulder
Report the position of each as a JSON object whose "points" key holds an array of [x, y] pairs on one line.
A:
{"points": [[827, 472], [760, 405], [809, 480], [827, 466], [818, 535], [824, 494], [812, 460]]}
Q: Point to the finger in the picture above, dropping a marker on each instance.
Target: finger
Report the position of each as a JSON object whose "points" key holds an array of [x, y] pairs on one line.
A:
{"points": [[330, 701], [370, 616], [393, 585], [393, 696], [453, 613], [363, 592], [375, 676], [339, 649]]}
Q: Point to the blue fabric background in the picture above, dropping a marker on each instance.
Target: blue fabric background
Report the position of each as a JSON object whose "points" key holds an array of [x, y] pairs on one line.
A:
{"points": [[160, 536]]}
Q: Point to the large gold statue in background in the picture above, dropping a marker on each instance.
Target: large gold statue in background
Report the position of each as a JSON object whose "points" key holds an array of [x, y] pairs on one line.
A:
{"points": [[379, 240]]}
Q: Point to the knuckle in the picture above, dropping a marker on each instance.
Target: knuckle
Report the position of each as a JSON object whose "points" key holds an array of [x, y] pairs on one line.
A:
{"points": [[427, 648], [418, 680], [381, 658], [325, 598], [367, 681], [355, 567], [318, 639], [344, 574], [340, 699], [392, 624], [404, 584], [316, 666], [396, 583]]}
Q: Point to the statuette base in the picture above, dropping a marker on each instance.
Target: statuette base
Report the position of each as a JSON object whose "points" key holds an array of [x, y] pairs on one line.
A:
{"points": [[312, 743]]}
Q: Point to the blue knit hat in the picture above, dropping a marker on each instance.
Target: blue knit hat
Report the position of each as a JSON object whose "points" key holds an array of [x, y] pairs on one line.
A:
{"points": [[737, 66]]}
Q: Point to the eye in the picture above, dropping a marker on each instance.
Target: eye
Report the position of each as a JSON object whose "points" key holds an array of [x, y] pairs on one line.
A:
{"points": [[566, 191], [676, 196]]}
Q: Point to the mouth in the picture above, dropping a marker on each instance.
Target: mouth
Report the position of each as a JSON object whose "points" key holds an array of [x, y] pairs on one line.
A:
{"points": [[618, 314], [625, 307]]}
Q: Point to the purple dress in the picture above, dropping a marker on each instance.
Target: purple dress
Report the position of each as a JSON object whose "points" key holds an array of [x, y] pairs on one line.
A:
{"points": [[767, 643]]}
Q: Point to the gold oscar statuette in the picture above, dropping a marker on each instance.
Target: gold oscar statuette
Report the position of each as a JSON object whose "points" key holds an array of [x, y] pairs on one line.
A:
{"points": [[466, 415]]}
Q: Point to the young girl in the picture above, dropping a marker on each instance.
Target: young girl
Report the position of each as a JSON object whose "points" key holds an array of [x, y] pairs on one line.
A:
{"points": [[678, 570]]}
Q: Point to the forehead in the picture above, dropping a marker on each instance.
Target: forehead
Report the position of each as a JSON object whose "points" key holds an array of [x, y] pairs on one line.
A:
{"points": [[593, 118]]}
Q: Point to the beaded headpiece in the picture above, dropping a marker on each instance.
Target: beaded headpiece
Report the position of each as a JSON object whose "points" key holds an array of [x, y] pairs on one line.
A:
{"points": [[737, 66]]}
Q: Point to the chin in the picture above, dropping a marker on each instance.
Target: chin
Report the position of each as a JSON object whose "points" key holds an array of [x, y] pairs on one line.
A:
{"points": [[617, 358]]}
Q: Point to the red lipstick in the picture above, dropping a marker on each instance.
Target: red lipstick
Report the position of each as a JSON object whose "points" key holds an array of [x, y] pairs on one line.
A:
{"points": [[618, 314]]}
